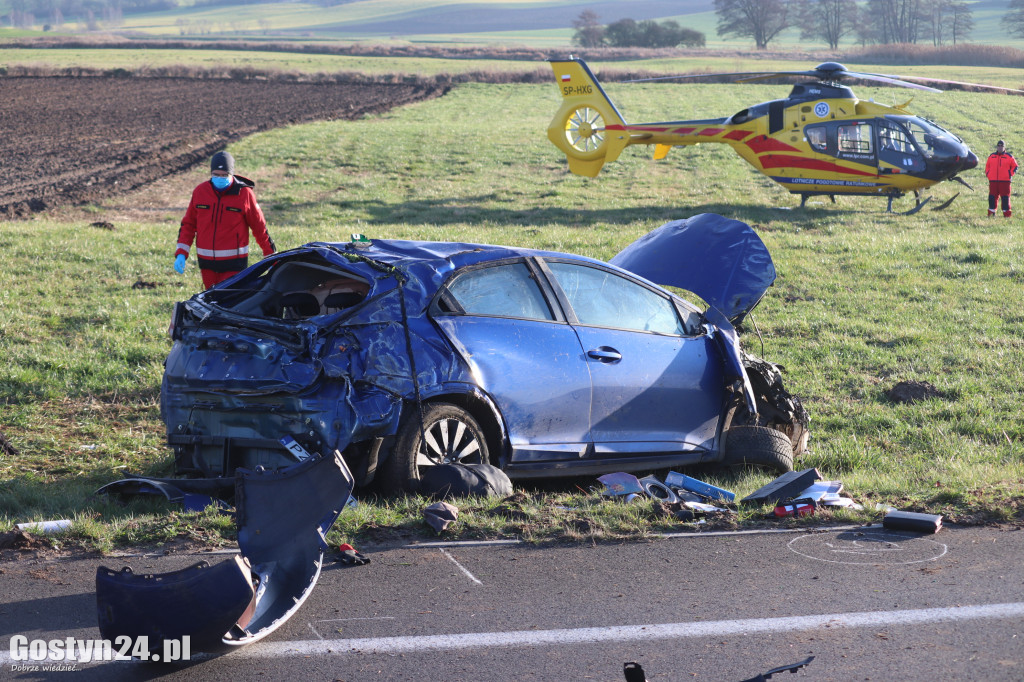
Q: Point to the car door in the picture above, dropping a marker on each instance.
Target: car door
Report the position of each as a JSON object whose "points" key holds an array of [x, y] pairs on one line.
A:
{"points": [[656, 375], [524, 354]]}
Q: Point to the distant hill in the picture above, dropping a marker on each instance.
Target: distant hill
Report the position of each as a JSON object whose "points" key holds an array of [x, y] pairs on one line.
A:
{"points": [[485, 17]]}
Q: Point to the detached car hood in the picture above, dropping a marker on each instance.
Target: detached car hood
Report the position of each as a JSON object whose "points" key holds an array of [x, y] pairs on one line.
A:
{"points": [[721, 260]]}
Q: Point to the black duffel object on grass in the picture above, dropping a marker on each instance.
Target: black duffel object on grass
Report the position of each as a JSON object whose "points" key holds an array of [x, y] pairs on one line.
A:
{"points": [[462, 480]]}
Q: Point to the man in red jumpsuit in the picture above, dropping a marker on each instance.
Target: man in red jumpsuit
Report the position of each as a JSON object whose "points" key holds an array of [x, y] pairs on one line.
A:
{"points": [[999, 168], [222, 212]]}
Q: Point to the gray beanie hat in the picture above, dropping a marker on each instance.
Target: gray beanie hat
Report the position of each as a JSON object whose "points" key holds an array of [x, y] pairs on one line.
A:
{"points": [[223, 161]]}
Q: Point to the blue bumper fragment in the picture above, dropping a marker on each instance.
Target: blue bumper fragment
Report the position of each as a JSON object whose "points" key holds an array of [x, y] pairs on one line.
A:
{"points": [[283, 517]]}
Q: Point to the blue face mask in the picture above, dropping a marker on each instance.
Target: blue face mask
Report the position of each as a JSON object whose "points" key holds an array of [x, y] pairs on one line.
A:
{"points": [[221, 182]]}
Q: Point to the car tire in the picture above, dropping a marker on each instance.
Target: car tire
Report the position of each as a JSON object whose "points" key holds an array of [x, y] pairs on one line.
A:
{"points": [[758, 446], [452, 434]]}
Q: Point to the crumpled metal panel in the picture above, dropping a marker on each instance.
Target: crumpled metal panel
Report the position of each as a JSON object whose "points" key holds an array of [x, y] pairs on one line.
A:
{"points": [[721, 260], [283, 517]]}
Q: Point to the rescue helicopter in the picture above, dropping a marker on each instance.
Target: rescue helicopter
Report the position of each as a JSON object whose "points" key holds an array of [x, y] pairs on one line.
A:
{"points": [[820, 140]]}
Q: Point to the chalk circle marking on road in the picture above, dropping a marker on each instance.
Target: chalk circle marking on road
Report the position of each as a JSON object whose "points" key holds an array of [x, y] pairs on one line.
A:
{"points": [[867, 546]]}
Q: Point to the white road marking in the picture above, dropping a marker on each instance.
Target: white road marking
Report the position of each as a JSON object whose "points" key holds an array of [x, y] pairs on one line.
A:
{"points": [[312, 626], [461, 567], [628, 633], [667, 536]]}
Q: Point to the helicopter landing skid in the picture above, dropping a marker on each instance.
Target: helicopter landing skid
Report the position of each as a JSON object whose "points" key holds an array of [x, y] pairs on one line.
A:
{"points": [[946, 203], [804, 196], [918, 204]]}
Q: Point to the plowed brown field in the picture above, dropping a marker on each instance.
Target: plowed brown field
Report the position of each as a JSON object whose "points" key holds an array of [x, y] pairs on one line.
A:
{"points": [[69, 140]]}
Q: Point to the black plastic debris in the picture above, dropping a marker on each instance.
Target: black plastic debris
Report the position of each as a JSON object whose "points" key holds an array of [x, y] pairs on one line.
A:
{"points": [[634, 672], [784, 487], [915, 521], [135, 487], [791, 668], [175, 489], [283, 517], [463, 480]]}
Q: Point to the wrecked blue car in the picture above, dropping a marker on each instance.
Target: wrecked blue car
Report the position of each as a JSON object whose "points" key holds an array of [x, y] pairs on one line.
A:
{"points": [[401, 355]]}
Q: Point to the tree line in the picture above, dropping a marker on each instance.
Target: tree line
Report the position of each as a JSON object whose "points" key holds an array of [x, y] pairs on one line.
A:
{"points": [[883, 22], [939, 22], [630, 33]]}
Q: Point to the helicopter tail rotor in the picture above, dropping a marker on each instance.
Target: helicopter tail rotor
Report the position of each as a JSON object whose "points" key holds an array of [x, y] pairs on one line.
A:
{"points": [[587, 128]]}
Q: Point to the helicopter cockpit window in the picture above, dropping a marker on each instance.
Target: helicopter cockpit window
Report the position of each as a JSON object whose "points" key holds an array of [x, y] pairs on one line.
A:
{"points": [[816, 137], [855, 139], [893, 137], [925, 133]]}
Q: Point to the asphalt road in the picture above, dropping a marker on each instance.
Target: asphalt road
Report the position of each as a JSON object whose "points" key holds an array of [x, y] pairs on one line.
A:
{"points": [[867, 604]]}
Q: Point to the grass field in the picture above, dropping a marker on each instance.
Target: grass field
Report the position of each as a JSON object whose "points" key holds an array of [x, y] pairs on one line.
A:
{"points": [[864, 299]]}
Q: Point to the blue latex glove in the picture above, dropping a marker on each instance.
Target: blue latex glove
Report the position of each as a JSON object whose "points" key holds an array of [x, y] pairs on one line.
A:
{"points": [[179, 264]]}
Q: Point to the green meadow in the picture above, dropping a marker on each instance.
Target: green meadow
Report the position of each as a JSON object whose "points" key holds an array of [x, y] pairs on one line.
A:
{"points": [[864, 299]]}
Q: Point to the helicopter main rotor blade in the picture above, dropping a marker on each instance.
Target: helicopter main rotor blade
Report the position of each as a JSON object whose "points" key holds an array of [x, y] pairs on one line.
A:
{"points": [[892, 80], [747, 75], [972, 85]]}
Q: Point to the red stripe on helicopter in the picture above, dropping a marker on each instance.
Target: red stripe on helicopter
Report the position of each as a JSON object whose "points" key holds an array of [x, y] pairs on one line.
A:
{"points": [[709, 132], [737, 135], [654, 129], [781, 161], [762, 144]]}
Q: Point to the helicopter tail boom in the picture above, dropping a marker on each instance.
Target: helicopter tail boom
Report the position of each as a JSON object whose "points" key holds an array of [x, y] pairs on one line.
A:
{"points": [[587, 128]]}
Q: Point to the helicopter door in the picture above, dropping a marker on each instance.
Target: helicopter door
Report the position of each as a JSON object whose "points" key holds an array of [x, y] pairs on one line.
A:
{"points": [[897, 152]]}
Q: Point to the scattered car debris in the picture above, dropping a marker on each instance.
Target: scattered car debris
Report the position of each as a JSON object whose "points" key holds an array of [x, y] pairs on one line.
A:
{"points": [[405, 355], [348, 556], [634, 672], [827, 494], [784, 487], [677, 480], [791, 668], [915, 521], [683, 503], [440, 515], [46, 527], [283, 516], [803, 506], [913, 392], [621, 483], [658, 490]]}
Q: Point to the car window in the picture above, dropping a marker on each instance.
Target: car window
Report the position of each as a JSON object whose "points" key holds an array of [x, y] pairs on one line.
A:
{"points": [[506, 290], [604, 299]]}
